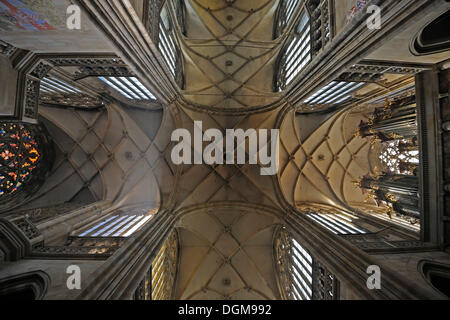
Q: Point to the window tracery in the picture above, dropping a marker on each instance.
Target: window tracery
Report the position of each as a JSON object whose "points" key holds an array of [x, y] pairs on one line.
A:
{"points": [[400, 156], [25, 158], [311, 34], [283, 16], [296, 54], [161, 28], [300, 276]]}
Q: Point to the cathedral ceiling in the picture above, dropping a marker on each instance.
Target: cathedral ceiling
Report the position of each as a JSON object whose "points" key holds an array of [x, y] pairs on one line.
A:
{"points": [[229, 54], [226, 254], [107, 154], [229, 60], [323, 167], [215, 183]]}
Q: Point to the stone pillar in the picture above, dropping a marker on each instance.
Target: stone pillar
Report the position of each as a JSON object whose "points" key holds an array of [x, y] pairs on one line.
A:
{"points": [[430, 101]]}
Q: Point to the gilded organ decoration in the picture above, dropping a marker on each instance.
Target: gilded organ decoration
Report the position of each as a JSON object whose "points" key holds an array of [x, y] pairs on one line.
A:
{"points": [[395, 184]]}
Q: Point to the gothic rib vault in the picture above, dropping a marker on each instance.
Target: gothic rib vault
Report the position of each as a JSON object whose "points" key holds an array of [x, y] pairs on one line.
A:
{"points": [[116, 157]]}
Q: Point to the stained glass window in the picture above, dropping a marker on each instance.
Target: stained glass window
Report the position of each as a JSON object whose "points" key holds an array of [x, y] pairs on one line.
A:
{"points": [[23, 148]]}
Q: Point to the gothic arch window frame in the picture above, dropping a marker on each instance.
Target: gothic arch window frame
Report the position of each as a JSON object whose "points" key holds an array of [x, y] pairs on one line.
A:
{"points": [[318, 29], [30, 149], [283, 16], [418, 47], [428, 268], [162, 31], [36, 281], [319, 285]]}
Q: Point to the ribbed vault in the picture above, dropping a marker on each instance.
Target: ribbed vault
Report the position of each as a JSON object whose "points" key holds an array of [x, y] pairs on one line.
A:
{"points": [[226, 253], [229, 54], [222, 182], [105, 155], [324, 166]]}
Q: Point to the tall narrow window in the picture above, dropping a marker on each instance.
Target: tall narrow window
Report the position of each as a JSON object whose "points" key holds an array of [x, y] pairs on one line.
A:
{"points": [[162, 17], [310, 34], [335, 92], [57, 92], [296, 54], [299, 275], [167, 41], [164, 269]]}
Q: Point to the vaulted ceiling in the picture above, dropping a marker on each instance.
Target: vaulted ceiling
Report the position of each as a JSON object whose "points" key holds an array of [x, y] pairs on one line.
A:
{"points": [[226, 253], [230, 212], [229, 54]]}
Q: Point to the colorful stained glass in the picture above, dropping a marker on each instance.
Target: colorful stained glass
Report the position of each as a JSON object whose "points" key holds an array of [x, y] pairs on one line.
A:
{"points": [[359, 5], [21, 157]]}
